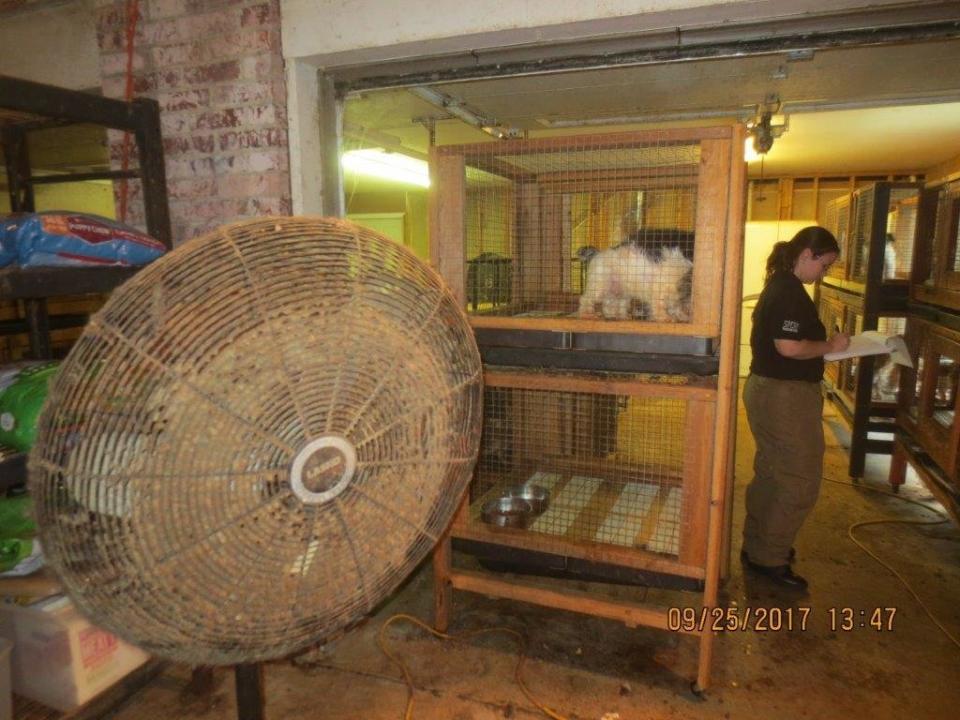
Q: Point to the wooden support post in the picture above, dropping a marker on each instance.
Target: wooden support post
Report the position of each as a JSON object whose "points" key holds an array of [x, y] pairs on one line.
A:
{"points": [[38, 321], [873, 275], [447, 197], [726, 391], [18, 169], [898, 465], [785, 197]]}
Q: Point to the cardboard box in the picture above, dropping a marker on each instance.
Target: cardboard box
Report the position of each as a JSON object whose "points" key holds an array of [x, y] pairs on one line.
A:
{"points": [[59, 658]]}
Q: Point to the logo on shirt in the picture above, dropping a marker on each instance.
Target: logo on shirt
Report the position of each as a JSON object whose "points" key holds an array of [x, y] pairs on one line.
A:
{"points": [[791, 326]]}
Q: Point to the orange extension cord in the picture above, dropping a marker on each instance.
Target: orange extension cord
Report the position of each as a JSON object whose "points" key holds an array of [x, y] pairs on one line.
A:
{"points": [[896, 574], [521, 656]]}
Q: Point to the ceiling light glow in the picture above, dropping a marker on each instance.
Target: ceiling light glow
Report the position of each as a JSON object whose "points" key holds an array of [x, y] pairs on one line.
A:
{"points": [[387, 165]]}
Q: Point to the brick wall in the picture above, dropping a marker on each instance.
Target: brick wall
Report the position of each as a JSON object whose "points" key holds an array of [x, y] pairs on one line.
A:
{"points": [[216, 69]]}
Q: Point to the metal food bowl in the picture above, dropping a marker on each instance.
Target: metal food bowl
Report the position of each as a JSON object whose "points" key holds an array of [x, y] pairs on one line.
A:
{"points": [[537, 495], [507, 512]]}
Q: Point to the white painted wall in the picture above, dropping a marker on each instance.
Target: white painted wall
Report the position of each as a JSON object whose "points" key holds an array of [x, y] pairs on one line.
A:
{"points": [[54, 44], [759, 239]]}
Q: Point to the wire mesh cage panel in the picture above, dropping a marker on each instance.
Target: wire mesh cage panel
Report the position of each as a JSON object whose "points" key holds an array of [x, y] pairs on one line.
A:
{"points": [[620, 232], [936, 277], [612, 469], [886, 373], [833, 312], [884, 219], [837, 221], [915, 337]]}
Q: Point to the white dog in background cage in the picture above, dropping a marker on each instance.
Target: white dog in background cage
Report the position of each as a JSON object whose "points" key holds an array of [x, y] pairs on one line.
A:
{"points": [[621, 276]]}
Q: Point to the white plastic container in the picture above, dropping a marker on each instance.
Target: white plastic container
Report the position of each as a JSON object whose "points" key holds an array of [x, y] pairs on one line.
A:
{"points": [[6, 692], [59, 659]]}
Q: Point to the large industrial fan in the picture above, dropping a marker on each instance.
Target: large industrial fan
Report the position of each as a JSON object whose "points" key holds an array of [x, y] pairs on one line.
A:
{"points": [[256, 440]]}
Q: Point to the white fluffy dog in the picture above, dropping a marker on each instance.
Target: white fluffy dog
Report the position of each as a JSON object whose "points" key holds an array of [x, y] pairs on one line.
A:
{"points": [[618, 276]]}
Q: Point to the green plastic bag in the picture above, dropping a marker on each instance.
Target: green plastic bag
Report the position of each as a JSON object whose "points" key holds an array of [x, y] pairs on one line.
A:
{"points": [[18, 547], [23, 391]]}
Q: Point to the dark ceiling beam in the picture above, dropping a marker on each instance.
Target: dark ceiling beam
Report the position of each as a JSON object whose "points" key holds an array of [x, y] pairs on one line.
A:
{"points": [[884, 26]]}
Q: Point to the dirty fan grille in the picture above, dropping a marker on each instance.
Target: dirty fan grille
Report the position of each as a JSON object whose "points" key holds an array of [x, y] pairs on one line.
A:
{"points": [[257, 439]]}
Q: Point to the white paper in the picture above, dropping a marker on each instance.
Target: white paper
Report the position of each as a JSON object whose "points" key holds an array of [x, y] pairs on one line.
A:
{"points": [[871, 342]]}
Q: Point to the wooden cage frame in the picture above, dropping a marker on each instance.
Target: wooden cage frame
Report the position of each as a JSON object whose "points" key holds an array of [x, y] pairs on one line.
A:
{"points": [[873, 285], [855, 400], [932, 280], [837, 220], [722, 179], [447, 225], [699, 398], [932, 450]]}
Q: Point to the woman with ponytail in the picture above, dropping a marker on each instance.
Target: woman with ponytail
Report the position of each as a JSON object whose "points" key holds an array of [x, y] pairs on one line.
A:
{"points": [[784, 403]]}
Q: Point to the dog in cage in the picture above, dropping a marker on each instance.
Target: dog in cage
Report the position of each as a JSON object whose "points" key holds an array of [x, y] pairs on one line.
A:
{"points": [[648, 276], [886, 380]]}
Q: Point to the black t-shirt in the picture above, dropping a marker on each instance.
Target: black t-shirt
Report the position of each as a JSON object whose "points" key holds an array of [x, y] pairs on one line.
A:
{"points": [[785, 312]]}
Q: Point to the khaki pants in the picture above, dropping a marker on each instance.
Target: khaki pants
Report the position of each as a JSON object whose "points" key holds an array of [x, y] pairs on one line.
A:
{"points": [[786, 418]]}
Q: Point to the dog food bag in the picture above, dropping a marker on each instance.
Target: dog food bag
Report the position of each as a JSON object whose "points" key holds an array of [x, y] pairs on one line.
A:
{"points": [[23, 390], [8, 238], [77, 239]]}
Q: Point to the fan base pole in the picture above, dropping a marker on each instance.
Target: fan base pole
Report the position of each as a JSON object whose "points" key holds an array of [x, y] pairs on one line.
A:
{"points": [[249, 681]]}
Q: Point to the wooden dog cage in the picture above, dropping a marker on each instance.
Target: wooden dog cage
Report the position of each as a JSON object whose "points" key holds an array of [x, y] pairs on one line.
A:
{"points": [[864, 390], [867, 289], [602, 277], [936, 275], [875, 226], [928, 435]]}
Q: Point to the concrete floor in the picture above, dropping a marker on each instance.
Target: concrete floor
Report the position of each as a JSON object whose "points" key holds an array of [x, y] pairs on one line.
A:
{"points": [[587, 668]]}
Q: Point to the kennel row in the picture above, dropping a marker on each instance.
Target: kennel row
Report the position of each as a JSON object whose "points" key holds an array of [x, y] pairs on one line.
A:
{"points": [[875, 227], [928, 432]]}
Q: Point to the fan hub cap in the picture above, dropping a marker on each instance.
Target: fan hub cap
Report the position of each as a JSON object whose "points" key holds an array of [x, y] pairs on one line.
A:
{"points": [[323, 469]]}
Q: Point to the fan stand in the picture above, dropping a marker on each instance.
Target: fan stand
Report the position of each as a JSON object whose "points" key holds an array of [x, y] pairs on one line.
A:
{"points": [[249, 682]]}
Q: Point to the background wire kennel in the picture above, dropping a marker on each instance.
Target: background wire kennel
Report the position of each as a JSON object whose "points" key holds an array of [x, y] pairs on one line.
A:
{"points": [[637, 464]]}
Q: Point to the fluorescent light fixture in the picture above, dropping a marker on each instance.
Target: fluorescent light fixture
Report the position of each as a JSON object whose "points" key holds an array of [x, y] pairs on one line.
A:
{"points": [[387, 165]]}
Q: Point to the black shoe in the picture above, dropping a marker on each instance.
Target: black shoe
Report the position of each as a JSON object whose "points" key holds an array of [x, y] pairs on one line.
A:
{"points": [[780, 574], [790, 558]]}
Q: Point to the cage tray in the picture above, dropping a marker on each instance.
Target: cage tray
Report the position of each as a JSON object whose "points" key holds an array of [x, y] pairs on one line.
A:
{"points": [[504, 558], [598, 351], [590, 510]]}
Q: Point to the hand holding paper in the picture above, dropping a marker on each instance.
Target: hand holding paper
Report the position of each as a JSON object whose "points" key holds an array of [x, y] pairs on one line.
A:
{"points": [[871, 342]]}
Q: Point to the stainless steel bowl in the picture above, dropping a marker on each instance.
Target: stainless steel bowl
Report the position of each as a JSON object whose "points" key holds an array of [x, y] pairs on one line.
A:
{"points": [[537, 495], [507, 512]]}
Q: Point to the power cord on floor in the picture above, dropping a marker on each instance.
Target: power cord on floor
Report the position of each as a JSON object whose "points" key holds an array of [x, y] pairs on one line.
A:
{"points": [[869, 552], [521, 656]]}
